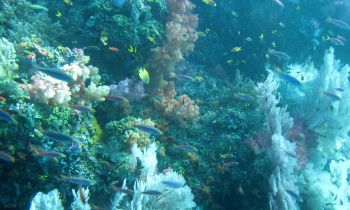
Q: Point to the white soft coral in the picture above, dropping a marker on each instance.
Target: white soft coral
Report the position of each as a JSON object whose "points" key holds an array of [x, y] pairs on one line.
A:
{"points": [[179, 198]]}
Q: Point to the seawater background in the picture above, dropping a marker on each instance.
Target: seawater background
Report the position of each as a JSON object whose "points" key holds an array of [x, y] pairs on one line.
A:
{"points": [[225, 122]]}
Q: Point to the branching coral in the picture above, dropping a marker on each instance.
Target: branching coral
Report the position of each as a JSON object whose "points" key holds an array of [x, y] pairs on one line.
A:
{"points": [[50, 200], [8, 67], [21, 20], [129, 88], [278, 122], [48, 90], [182, 109], [325, 175], [122, 135], [81, 198], [180, 38], [170, 198], [9, 71]]}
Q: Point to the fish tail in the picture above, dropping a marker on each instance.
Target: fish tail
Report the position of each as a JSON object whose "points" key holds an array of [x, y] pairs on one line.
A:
{"points": [[63, 178]]}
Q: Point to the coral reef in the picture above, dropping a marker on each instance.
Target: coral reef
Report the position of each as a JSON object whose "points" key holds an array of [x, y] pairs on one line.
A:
{"points": [[50, 200], [21, 20], [180, 38], [323, 178], [131, 89], [81, 198], [179, 198], [9, 71], [8, 58], [48, 90], [183, 109], [277, 121]]}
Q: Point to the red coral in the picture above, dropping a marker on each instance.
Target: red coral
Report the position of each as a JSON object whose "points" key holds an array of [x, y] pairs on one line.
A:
{"points": [[180, 38], [260, 142]]}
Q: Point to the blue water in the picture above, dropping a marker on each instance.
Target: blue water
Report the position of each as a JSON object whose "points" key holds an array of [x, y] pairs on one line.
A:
{"points": [[174, 104]]}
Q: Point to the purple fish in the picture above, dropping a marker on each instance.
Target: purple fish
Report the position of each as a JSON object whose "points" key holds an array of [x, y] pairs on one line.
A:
{"points": [[54, 73], [116, 99], [61, 137], [77, 180], [186, 147], [184, 77], [338, 23], [6, 157], [230, 164], [288, 78], [81, 108], [4, 115], [332, 96], [244, 97], [151, 192], [336, 41], [339, 89], [278, 54], [149, 129], [173, 184]]}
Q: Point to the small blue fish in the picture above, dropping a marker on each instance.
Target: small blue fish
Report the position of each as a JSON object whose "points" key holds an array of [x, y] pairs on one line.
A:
{"points": [[77, 180], [332, 96], [7, 117], [173, 184], [116, 99], [81, 108], [244, 97], [54, 73], [151, 192], [119, 2], [338, 23], [278, 54], [60, 137], [288, 78], [149, 129], [186, 147], [230, 164], [339, 89], [6, 157], [184, 77]]}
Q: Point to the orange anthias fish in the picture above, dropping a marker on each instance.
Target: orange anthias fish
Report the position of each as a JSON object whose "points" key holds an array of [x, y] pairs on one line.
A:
{"points": [[113, 49]]}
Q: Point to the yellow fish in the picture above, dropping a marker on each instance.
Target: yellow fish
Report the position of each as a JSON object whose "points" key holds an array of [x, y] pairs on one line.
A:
{"points": [[104, 37], [229, 61], [199, 78], [236, 49], [248, 39], [69, 2], [201, 34], [144, 76], [58, 14], [240, 190], [281, 25], [234, 14], [261, 37], [226, 156], [132, 50], [273, 44], [209, 2], [151, 39]]}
